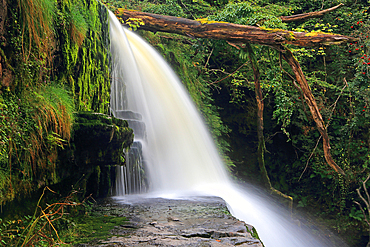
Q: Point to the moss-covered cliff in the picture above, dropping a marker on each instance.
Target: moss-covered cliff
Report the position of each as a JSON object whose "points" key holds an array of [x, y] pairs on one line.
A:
{"points": [[54, 60]]}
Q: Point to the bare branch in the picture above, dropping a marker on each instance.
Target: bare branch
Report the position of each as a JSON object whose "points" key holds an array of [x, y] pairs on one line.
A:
{"points": [[363, 212], [317, 143], [367, 193], [305, 16], [230, 74], [335, 103], [362, 198]]}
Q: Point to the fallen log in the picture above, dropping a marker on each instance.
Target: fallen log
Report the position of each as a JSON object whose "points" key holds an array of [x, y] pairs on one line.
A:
{"points": [[229, 31]]}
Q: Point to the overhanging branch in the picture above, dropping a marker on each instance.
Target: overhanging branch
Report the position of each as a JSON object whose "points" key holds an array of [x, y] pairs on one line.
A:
{"points": [[231, 32]]}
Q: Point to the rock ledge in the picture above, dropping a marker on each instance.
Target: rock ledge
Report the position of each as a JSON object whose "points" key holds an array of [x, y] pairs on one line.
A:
{"points": [[198, 221]]}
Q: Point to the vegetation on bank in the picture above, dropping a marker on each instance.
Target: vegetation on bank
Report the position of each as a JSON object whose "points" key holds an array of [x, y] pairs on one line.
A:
{"points": [[54, 60], [65, 222]]}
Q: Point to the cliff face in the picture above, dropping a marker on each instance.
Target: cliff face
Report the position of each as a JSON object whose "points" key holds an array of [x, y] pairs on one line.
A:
{"points": [[54, 61]]}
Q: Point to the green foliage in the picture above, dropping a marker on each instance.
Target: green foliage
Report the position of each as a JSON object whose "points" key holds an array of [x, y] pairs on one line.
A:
{"points": [[343, 105], [84, 63], [50, 48], [338, 77], [134, 23], [32, 126], [11, 230], [171, 7], [50, 223], [246, 13], [78, 26], [220, 80]]}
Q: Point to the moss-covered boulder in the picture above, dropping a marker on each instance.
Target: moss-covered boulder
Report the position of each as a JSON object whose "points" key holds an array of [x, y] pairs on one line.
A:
{"points": [[100, 139], [96, 148]]}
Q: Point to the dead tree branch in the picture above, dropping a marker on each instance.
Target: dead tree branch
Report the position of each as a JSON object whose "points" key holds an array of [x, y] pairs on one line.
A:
{"points": [[309, 15]]}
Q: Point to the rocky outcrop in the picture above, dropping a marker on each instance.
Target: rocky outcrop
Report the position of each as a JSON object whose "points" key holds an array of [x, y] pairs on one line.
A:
{"points": [[198, 221], [87, 164], [96, 148], [100, 139]]}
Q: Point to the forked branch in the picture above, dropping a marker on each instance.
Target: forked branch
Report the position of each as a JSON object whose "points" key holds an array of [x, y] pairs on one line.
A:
{"points": [[367, 203]]}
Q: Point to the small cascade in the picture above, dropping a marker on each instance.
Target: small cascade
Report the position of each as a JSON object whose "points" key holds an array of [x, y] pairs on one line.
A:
{"points": [[130, 178], [134, 121]]}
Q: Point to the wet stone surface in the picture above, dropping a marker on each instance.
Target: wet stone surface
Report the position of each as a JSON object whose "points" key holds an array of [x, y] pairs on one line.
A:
{"points": [[198, 221]]}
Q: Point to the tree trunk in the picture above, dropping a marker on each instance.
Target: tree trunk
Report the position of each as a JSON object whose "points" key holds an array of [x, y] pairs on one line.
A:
{"points": [[261, 139], [3, 16], [260, 107], [229, 31], [311, 102]]}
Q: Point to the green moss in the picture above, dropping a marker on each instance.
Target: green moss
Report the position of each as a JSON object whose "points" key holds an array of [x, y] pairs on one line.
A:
{"points": [[254, 233], [315, 33], [91, 229], [206, 21], [288, 35], [34, 122], [86, 66]]}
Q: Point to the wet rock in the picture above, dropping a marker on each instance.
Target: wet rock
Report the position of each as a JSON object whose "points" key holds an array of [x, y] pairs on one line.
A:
{"points": [[172, 219], [198, 222]]}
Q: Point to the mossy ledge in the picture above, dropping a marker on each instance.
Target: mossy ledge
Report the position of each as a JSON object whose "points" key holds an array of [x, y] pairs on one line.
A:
{"points": [[96, 146], [87, 164]]}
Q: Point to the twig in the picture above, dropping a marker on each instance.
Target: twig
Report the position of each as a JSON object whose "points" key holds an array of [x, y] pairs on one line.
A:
{"points": [[187, 9], [271, 136], [334, 105], [367, 194], [367, 202], [363, 212], [295, 84], [229, 74], [282, 69], [51, 224], [49, 212], [208, 58], [34, 219], [317, 143]]}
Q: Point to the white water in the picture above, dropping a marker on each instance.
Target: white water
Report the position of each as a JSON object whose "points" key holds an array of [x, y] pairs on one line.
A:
{"points": [[180, 154]]}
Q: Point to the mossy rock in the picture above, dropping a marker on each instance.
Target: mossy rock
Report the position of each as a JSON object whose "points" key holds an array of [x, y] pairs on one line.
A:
{"points": [[96, 147]]}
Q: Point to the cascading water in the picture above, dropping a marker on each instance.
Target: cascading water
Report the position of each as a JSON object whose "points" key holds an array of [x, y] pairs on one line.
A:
{"points": [[181, 157]]}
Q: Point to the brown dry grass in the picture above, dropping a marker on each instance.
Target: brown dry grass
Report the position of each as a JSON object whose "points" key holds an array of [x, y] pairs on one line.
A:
{"points": [[37, 24]]}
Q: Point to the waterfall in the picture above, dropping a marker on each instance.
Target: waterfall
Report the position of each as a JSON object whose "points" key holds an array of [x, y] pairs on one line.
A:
{"points": [[180, 155]]}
